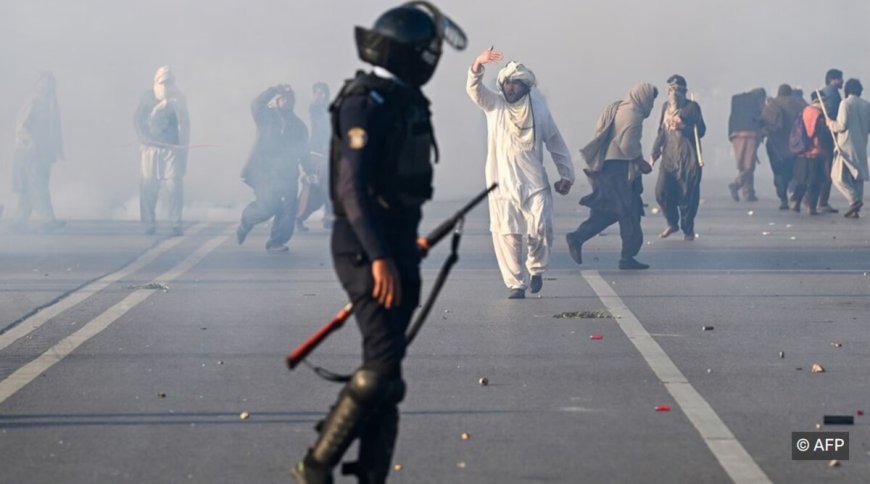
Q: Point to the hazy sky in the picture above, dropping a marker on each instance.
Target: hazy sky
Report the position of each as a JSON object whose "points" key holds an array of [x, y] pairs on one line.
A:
{"points": [[585, 54]]}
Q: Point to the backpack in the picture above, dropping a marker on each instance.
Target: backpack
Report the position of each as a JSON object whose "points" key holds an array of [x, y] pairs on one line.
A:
{"points": [[799, 141]]}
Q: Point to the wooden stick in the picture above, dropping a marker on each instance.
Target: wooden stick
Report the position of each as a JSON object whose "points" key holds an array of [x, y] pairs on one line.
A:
{"points": [[827, 118], [697, 139]]}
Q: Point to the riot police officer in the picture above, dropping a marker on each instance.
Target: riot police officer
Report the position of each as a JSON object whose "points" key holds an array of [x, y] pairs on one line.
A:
{"points": [[380, 175]]}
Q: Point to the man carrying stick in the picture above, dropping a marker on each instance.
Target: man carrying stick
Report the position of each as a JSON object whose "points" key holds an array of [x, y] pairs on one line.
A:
{"points": [[678, 190]]}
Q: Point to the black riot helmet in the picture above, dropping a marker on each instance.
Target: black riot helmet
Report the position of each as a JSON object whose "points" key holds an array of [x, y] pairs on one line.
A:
{"points": [[407, 40]]}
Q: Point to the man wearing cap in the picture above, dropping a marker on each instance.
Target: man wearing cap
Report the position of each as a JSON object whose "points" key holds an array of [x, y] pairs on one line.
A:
{"points": [[163, 127], [678, 191], [519, 126]]}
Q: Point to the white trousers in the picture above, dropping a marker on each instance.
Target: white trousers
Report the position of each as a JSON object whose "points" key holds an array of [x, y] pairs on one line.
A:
{"points": [[521, 256]]}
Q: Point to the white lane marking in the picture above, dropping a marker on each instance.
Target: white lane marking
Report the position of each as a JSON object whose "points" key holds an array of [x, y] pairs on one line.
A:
{"points": [[731, 455], [29, 372], [36, 320]]}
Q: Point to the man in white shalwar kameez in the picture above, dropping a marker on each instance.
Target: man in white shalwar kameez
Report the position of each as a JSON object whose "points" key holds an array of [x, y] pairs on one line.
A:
{"points": [[519, 126], [851, 129]]}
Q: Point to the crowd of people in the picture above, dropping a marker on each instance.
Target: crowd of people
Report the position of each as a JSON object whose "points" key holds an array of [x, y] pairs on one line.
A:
{"points": [[811, 147], [367, 160]]}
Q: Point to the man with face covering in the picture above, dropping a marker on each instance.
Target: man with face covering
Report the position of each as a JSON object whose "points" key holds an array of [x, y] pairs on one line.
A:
{"points": [[163, 127], [314, 193], [678, 191], [615, 165], [38, 145], [380, 177], [519, 126], [272, 169]]}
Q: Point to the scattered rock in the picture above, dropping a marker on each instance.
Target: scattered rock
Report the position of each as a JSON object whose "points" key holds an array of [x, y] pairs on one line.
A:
{"points": [[398, 467], [161, 395], [483, 381], [750, 213], [583, 315], [707, 328], [836, 344], [817, 368], [765, 233], [782, 354], [818, 426], [244, 415], [465, 436], [859, 413], [834, 463], [460, 465]]}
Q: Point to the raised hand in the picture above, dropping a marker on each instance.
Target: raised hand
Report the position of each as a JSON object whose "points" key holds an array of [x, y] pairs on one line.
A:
{"points": [[486, 57]]}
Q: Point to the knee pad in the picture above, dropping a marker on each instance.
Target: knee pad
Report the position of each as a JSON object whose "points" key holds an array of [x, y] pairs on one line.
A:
{"points": [[370, 387]]}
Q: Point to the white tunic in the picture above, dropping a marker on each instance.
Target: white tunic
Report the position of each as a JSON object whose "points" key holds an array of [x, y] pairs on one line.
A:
{"points": [[520, 174]]}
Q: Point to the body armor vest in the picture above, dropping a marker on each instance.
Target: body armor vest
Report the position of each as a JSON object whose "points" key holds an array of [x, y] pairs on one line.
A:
{"points": [[402, 174]]}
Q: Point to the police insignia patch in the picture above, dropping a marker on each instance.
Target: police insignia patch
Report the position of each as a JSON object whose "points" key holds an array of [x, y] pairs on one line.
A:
{"points": [[357, 138]]}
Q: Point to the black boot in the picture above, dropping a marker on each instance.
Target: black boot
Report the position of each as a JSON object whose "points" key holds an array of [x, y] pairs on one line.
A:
{"points": [[376, 443]]}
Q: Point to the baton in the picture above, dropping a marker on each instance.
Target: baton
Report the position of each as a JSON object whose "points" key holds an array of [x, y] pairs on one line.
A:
{"points": [[424, 244]]}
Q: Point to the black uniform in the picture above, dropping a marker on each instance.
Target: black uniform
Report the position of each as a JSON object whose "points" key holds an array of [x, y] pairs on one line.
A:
{"points": [[381, 173]]}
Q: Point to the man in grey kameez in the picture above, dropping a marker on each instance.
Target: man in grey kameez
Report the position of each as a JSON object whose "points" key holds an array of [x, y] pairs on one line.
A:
{"points": [[851, 129], [163, 127], [38, 145]]}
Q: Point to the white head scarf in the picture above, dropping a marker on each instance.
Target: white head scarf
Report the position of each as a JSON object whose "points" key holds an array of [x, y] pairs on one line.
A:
{"points": [[164, 73], [520, 115]]}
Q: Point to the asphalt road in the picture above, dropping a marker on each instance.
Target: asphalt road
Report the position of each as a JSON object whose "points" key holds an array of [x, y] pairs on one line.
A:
{"points": [[130, 358]]}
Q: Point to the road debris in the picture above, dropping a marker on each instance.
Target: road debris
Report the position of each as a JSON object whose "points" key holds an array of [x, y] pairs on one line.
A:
{"points": [[782, 354], [151, 285], [460, 465], [596, 337], [583, 315], [765, 233], [161, 395], [655, 210], [839, 420], [817, 368], [663, 408], [834, 463], [398, 467], [707, 328], [465, 436], [837, 344], [244, 415], [750, 213], [483, 381]]}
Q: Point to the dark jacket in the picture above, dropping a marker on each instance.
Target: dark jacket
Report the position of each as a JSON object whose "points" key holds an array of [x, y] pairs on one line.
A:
{"points": [[777, 119], [281, 144], [746, 112]]}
